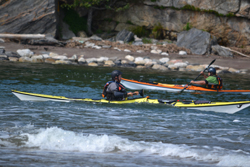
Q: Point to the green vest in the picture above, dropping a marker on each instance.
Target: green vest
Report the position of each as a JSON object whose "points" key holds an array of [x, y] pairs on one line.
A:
{"points": [[212, 79]]}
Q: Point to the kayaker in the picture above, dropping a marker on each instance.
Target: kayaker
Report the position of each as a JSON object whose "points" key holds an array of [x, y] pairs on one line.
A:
{"points": [[114, 90], [211, 81]]}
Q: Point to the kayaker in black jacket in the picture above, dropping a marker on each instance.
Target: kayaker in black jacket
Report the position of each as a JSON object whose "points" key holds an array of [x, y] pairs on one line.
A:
{"points": [[114, 90]]}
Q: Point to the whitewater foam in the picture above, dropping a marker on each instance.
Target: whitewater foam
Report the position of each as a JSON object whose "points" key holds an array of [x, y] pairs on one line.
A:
{"points": [[58, 139]]}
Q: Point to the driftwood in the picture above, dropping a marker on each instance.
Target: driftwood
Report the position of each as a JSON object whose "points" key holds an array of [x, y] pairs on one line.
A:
{"points": [[23, 36], [235, 51]]}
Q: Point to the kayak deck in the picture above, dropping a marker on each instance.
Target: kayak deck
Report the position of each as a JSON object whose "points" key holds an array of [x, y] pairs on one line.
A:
{"points": [[136, 85], [222, 107]]}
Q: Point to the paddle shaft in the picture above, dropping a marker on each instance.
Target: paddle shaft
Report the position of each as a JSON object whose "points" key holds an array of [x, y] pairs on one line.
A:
{"points": [[198, 75]]}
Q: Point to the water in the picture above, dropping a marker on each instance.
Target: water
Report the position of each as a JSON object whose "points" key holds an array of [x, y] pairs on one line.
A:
{"points": [[134, 135]]}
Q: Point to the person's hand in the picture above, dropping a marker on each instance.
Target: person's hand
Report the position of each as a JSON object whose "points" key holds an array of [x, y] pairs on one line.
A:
{"points": [[129, 94], [202, 73], [136, 93], [192, 82]]}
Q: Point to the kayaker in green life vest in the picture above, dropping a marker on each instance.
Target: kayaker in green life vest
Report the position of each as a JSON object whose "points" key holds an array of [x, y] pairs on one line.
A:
{"points": [[211, 81], [114, 90]]}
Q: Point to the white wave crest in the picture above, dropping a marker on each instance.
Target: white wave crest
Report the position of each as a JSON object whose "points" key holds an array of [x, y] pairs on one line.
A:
{"points": [[58, 139]]}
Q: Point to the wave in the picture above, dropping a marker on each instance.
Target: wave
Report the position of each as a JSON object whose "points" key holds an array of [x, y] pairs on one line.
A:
{"points": [[58, 139]]}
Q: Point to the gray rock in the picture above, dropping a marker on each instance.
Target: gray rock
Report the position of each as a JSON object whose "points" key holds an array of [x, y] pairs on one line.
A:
{"points": [[197, 41], [118, 62], [137, 43], [2, 50], [28, 17], [218, 50], [125, 36], [25, 52], [3, 57], [12, 54], [66, 32], [96, 38], [2, 40], [106, 46]]}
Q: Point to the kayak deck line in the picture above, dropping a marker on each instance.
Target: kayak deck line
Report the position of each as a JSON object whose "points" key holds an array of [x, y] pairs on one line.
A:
{"points": [[202, 105], [136, 85]]}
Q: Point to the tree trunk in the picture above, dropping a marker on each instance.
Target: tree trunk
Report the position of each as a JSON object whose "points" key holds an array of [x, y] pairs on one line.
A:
{"points": [[89, 22]]}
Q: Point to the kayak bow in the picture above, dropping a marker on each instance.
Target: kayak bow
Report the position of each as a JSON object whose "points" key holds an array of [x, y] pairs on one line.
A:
{"points": [[222, 107], [136, 85]]}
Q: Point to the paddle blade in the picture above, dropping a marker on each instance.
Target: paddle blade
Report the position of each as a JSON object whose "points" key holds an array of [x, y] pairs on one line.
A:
{"points": [[141, 92]]}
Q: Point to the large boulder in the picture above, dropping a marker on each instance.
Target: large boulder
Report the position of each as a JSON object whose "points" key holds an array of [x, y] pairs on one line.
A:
{"points": [[218, 50], [198, 41], [28, 17], [125, 36]]}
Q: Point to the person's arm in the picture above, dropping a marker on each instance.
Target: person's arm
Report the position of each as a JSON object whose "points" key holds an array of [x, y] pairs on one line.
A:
{"points": [[133, 93], [198, 82], [202, 73]]}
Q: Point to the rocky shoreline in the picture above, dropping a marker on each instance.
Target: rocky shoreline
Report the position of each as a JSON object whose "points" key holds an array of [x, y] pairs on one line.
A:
{"points": [[161, 59]]}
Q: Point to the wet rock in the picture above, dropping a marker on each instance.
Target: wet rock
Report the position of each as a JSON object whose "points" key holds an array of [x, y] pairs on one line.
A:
{"points": [[63, 62], [91, 60], [3, 57], [102, 59], [140, 67], [130, 58], [25, 52], [93, 64], [12, 54], [25, 59], [14, 59], [37, 59], [159, 67], [49, 60], [109, 63]]}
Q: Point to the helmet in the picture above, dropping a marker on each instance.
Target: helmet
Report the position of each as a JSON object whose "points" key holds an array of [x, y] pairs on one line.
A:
{"points": [[115, 73], [212, 70]]}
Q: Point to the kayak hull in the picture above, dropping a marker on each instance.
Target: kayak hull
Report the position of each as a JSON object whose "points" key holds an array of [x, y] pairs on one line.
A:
{"points": [[221, 107], [137, 85]]}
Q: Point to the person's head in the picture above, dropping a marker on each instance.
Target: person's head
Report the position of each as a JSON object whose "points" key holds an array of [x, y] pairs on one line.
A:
{"points": [[116, 75], [212, 71]]}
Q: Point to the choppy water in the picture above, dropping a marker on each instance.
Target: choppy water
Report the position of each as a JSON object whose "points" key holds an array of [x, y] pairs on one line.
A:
{"points": [[86, 134]]}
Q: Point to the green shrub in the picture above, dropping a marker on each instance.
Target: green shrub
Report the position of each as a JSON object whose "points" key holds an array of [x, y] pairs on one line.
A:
{"points": [[146, 40], [75, 22], [158, 31], [140, 31], [187, 27], [230, 15], [129, 22]]}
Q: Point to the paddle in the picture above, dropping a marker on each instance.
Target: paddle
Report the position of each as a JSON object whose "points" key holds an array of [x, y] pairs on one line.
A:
{"points": [[198, 75]]}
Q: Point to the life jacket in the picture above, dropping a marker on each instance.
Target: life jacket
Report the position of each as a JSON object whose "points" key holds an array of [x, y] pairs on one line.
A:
{"points": [[215, 86], [105, 93]]}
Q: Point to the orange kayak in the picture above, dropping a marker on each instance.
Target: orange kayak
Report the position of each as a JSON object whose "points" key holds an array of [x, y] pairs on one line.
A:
{"points": [[137, 85]]}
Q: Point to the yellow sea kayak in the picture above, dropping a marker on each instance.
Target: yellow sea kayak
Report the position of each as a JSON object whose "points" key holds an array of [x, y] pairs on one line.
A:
{"points": [[223, 107]]}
